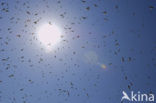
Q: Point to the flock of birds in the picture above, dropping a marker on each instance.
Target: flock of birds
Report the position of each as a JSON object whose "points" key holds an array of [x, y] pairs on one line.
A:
{"points": [[20, 54]]}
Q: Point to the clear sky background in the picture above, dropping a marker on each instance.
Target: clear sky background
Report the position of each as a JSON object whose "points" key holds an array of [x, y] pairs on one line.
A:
{"points": [[107, 46]]}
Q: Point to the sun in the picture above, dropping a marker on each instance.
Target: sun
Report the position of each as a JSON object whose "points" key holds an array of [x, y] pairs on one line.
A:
{"points": [[49, 35]]}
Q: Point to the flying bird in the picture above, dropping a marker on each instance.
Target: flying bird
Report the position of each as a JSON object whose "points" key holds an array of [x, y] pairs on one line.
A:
{"points": [[125, 96]]}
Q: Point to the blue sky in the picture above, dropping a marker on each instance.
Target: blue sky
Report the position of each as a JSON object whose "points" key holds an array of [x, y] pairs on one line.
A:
{"points": [[107, 46]]}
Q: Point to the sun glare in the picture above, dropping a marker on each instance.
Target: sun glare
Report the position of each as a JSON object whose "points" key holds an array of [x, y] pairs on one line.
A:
{"points": [[49, 35]]}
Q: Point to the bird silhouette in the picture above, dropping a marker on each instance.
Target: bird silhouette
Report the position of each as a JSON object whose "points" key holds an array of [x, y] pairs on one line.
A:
{"points": [[125, 96]]}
